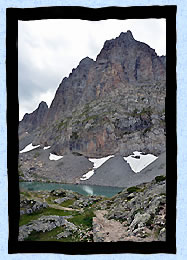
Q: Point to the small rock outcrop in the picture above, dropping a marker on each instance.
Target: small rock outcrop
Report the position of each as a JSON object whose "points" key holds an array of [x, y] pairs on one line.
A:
{"points": [[43, 224], [31, 206]]}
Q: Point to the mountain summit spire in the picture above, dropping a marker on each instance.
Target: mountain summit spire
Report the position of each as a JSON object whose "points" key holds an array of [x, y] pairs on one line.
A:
{"points": [[128, 35]]}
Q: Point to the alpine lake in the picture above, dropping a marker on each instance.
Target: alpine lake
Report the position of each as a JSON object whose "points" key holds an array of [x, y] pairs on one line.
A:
{"points": [[87, 190]]}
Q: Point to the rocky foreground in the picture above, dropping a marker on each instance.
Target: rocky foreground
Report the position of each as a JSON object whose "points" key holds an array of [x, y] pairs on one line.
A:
{"points": [[135, 214]]}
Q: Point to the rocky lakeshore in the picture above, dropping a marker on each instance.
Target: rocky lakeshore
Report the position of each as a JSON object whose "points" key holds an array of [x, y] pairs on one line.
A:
{"points": [[137, 213]]}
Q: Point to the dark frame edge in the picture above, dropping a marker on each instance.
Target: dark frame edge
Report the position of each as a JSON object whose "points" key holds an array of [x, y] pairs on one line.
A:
{"points": [[21, 247]]}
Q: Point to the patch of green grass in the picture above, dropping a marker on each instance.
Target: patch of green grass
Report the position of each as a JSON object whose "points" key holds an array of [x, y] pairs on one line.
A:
{"points": [[84, 219], [26, 194], [160, 178], [50, 199], [26, 218], [45, 236], [67, 203], [51, 236], [134, 189]]}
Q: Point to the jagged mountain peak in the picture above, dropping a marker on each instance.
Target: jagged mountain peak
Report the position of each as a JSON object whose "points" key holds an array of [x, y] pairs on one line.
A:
{"points": [[42, 105], [127, 36], [83, 65], [103, 102], [33, 120], [86, 61]]}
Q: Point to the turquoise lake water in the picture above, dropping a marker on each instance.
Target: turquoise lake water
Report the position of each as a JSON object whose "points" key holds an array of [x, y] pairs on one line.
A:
{"points": [[82, 189]]}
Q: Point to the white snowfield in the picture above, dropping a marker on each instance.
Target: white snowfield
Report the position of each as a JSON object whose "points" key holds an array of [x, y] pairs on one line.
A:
{"points": [[97, 164], [139, 164], [29, 147], [46, 147], [136, 164], [54, 157], [100, 161], [87, 175]]}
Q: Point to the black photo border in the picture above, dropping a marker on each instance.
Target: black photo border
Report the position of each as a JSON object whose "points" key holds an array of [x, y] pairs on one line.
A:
{"points": [[94, 14]]}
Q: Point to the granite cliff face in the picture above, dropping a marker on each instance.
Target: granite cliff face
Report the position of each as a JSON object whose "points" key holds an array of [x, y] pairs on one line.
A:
{"points": [[115, 104]]}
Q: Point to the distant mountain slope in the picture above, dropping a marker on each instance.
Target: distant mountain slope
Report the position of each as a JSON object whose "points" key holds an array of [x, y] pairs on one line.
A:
{"points": [[116, 172], [35, 165]]}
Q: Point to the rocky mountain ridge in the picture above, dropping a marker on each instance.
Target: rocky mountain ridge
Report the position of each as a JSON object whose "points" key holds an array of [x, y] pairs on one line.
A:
{"points": [[114, 105]]}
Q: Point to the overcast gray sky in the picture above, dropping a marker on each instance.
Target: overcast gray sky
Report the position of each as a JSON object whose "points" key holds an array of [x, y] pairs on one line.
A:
{"points": [[48, 50]]}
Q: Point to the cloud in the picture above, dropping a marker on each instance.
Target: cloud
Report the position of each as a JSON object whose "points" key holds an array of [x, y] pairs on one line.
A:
{"points": [[48, 50]]}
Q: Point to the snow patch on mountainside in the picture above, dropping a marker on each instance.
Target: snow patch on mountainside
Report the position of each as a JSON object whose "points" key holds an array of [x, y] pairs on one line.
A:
{"points": [[87, 175], [97, 163], [138, 161], [54, 157], [46, 147], [100, 161], [29, 147], [138, 164]]}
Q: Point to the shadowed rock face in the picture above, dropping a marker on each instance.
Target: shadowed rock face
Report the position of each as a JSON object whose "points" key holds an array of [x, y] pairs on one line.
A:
{"points": [[138, 62], [114, 104], [34, 120]]}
